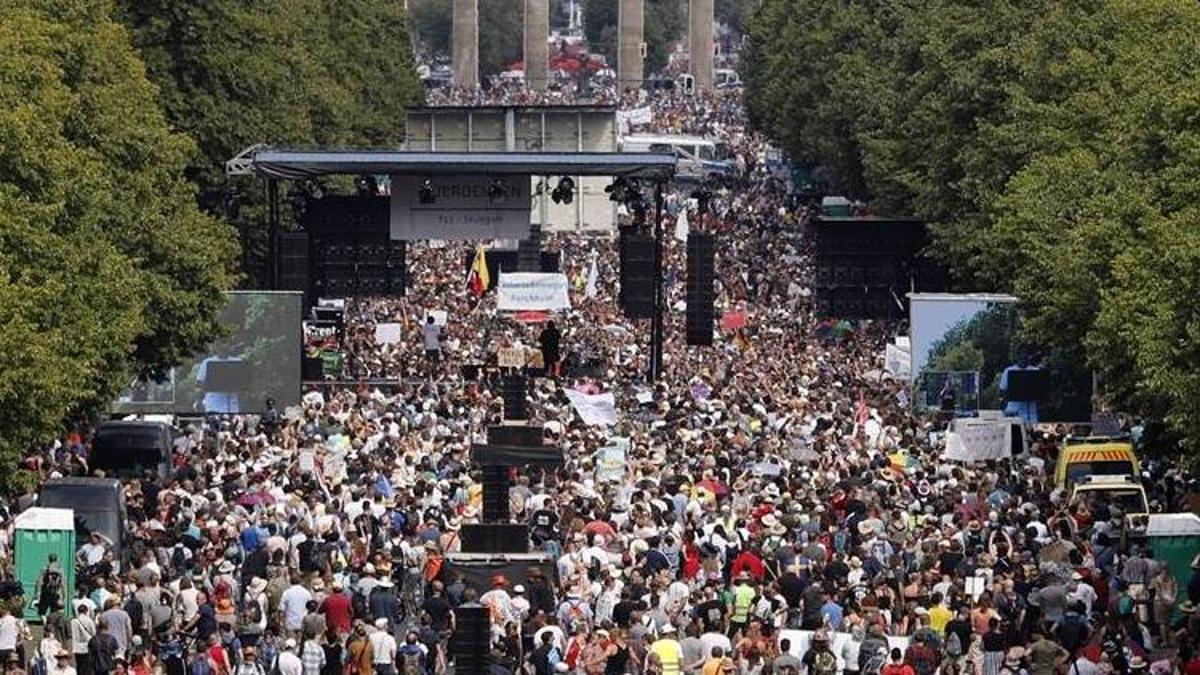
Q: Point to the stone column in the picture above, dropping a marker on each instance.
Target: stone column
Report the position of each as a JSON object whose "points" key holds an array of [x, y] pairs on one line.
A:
{"points": [[630, 23], [700, 21], [464, 43], [537, 49]]}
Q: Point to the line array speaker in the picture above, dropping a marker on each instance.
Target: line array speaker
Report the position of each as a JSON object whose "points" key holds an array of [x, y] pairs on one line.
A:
{"points": [[701, 260], [637, 274]]}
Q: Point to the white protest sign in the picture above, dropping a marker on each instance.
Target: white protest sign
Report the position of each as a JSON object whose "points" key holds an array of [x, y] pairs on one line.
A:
{"points": [[387, 333], [978, 442], [440, 316], [459, 207], [897, 361], [308, 461], [524, 291], [610, 460], [594, 409]]}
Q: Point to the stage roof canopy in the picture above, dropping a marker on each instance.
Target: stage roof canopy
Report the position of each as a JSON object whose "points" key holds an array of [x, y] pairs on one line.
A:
{"points": [[305, 164]]}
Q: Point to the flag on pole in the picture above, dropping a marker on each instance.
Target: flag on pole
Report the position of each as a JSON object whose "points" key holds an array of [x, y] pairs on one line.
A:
{"points": [[589, 290], [681, 225], [478, 279]]}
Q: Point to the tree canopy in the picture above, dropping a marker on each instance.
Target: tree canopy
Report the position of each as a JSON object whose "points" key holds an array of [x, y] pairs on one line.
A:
{"points": [[234, 73], [107, 267], [665, 21], [1051, 145]]}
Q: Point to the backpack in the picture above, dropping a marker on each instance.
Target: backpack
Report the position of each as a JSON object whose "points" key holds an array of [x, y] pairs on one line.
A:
{"points": [[1125, 604], [953, 646], [137, 617], [201, 665], [105, 653], [358, 605], [251, 613], [824, 663], [575, 615], [410, 661]]}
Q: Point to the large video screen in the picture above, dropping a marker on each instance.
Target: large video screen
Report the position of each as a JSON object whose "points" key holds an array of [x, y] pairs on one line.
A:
{"points": [[964, 342], [257, 359]]}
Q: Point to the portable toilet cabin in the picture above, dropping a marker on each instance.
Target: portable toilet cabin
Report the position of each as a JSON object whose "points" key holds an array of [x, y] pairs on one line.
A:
{"points": [[1174, 538], [40, 533]]}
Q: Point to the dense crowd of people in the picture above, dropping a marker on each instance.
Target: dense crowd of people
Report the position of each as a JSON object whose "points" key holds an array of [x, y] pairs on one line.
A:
{"points": [[781, 509]]}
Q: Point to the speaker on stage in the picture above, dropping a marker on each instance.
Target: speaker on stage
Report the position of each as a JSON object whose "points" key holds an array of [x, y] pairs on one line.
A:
{"points": [[471, 642], [495, 494], [701, 260], [312, 369], [637, 274], [514, 388], [293, 261], [495, 537]]}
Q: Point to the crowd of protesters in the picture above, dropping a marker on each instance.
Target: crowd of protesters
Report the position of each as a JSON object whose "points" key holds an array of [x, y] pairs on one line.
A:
{"points": [[762, 523]]}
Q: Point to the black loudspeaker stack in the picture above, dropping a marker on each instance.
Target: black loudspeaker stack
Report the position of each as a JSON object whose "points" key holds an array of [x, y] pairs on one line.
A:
{"points": [[293, 261], [495, 498], [637, 274], [701, 259], [495, 538], [513, 389], [471, 642]]}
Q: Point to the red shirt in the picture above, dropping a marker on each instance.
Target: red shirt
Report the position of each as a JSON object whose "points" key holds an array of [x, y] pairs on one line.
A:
{"points": [[339, 612], [748, 562]]}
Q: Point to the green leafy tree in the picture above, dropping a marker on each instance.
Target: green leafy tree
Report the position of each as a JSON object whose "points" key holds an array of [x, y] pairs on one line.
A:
{"points": [[501, 35], [107, 267], [665, 22], [236, 73]]}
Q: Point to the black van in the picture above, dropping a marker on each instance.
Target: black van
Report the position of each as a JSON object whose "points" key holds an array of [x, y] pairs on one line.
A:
{"points": [[129, 449], [99, 504]]}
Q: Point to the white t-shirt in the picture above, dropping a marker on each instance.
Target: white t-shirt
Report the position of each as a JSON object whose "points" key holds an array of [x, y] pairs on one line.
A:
{"points": [[383, 648], [290, 664], [293, 604], [10, 631]]}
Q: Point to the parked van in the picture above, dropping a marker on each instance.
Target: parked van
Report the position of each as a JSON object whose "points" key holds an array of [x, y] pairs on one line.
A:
{"points": [[698, 158], [99, 505], [1122, 492], [130, 449], [1094, 456]]}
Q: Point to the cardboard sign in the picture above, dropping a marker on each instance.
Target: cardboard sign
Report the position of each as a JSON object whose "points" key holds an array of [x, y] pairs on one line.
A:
{"points": [[511, 357]]}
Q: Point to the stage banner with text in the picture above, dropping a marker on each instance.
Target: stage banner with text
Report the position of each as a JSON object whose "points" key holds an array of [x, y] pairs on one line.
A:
{"points": [[460, 207]]}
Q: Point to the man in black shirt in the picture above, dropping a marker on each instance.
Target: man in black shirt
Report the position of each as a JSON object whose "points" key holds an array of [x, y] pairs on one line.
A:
{"points": [[960, 625], [711, 612], [438, 609], [548, 340]]}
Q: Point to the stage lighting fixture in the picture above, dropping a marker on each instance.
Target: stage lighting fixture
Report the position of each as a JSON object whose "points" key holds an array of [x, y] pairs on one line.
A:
{"points": [[565, 192], [616, 190], [314, 189], [425, 193], [497, 190]]}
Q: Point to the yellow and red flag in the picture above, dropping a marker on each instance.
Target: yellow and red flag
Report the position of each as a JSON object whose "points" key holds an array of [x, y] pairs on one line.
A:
{"points": [[478, 279]]}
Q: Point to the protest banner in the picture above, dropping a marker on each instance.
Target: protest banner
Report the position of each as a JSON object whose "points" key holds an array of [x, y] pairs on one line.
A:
{"points": [[519, 291], [594, 409], [976, 441]]}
